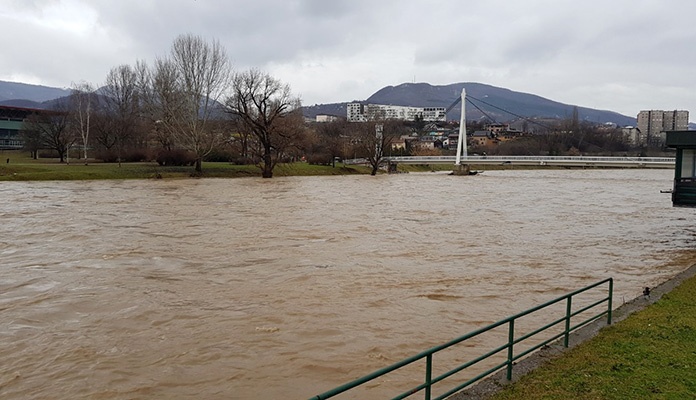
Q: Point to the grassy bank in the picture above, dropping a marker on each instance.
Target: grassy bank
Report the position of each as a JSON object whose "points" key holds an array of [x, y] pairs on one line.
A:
{"points": [[22, 168], [649, 355]]}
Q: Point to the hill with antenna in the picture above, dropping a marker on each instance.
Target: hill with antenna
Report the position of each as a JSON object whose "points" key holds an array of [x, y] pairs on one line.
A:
{"points": [[485, 101]]}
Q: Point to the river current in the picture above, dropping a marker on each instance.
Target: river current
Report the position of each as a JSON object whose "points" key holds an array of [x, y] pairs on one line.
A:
{"points": [[285, 288]]}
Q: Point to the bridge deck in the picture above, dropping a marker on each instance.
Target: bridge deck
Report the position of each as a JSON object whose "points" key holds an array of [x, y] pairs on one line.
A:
{"points": [[565, 161]]}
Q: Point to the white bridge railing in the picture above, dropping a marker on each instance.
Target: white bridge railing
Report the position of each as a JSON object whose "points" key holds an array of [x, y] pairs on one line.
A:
{"points": [[568, 161]]}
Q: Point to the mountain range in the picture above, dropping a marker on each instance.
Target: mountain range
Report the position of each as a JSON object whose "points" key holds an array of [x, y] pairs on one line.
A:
{"points": [[29, 96], [484, 101]]}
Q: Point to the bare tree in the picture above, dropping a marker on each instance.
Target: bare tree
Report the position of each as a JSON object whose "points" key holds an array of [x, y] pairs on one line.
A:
{"points": [[333, 139], [159, 86], [375, 140], [184, 94], [122, 105], [266, 108], [81, 107], [50, 130], [103, 130]]}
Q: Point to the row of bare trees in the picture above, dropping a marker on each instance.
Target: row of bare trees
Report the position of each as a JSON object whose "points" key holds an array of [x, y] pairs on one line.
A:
{"points": [[190, 103], [190, 100]]}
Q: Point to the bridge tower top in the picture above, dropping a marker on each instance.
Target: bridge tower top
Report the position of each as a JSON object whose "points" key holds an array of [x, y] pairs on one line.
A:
{"points": [[461, 143]]}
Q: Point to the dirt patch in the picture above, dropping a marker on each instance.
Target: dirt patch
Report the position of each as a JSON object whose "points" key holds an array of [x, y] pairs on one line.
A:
{"points": [[491, 385]]}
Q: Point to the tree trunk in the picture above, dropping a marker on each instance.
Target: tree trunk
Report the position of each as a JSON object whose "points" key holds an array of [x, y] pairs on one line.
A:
{"points": [[267, 163], [375, 168], [199, 165]]}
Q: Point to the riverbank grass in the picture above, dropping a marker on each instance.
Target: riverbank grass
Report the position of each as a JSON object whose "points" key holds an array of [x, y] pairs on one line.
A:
{"points": [[26, 169], [649, 355]]}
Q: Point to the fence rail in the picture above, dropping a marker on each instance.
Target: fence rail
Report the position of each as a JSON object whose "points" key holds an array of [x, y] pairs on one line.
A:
{"points": [[512, 341], [561, 161]]}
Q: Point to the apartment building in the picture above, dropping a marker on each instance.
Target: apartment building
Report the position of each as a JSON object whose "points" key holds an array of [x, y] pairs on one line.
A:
{"points": [[653, 124], [357, 112]]}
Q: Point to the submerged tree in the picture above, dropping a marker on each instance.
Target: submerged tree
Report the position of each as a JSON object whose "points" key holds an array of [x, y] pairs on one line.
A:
{"points": [[265, 108]]}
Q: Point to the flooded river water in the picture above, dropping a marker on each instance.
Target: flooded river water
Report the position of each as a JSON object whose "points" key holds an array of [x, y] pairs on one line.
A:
{"points": [[285, 288]]}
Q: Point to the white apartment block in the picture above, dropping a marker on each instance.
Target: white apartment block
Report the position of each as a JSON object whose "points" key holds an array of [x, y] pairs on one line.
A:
{"points": [[325, 118], [654, 123], [633, 136], [357, 112]]}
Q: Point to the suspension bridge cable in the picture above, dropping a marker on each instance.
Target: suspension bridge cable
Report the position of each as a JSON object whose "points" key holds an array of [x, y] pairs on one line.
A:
{"points": [[511, 113], [482, 112], [519, 116]]}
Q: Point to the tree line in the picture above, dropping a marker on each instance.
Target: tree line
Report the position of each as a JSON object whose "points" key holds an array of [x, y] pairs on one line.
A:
{"points": [[190, 106], [181, 109]]}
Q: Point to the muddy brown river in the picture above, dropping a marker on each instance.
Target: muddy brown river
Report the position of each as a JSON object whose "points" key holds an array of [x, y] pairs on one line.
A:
{"points": [[285, 288]]}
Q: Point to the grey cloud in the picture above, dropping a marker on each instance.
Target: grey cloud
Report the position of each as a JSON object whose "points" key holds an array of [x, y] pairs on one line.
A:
{"points": [[337, 50]]}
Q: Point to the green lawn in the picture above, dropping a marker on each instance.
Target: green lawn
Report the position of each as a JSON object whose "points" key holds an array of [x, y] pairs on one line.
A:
{"points": [[23, 168], [649, 355]]}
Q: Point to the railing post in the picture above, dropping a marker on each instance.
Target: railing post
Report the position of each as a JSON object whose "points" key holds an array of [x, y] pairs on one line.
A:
{"points": [[429, 354], [569, 308], [511, 340], [428, 375], [611, 294]]}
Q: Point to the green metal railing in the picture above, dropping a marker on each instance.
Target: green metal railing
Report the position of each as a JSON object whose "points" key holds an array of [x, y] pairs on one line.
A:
{"points": [[429, 381]]}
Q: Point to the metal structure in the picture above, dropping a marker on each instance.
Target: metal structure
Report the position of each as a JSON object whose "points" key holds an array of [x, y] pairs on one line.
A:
{"points": [[461, 143], [684, 190], [509, 348], [551, 161]]}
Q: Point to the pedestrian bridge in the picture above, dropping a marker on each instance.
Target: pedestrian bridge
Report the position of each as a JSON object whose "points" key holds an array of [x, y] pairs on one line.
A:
{"points": [[560, 161]]}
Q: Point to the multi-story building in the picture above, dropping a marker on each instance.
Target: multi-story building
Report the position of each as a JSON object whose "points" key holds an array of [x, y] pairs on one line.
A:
{"points": [[357, 112], [326, 118], [653, 124], [633, 136], [11, 121]]}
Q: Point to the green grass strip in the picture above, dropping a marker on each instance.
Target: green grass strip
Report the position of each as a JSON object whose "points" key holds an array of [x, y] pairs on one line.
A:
{"points": [[649, 355]]}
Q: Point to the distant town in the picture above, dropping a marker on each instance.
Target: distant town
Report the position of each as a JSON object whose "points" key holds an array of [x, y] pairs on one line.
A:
{"points": [[421, 131], [487, 137], [162, 124]]}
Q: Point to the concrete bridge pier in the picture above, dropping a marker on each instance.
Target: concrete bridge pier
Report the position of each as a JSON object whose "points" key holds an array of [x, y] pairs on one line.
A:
{"points": [[462, 169]]}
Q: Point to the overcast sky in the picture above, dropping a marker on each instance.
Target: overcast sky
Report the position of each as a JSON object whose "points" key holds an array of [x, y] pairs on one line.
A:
{"points": [[618, 55]]}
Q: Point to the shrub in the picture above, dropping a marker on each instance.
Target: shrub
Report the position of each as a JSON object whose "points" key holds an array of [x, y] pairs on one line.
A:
{"points": [[243, 161], [319, 159], [220, 156], [106, 155], [175, 158], [137, 155], [48, 154]]}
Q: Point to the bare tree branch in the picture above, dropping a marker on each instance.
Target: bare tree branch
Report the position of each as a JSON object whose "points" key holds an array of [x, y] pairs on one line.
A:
{"points": [[266, 108]]}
